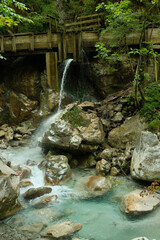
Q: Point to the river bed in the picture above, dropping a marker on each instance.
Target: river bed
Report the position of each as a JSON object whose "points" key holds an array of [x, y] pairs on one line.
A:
{"points": [[101, 217]]}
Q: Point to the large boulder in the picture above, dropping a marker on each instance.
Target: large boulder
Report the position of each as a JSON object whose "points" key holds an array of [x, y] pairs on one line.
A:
{"points": [[57, 169], [145, 163], [75, 130], [126, 133], [9, 191], [135, 203]]}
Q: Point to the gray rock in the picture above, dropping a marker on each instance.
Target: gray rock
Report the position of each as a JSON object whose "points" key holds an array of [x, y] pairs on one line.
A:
{"points": [[57, 169], [145, 163], [118, 117], [75, 130], [9, 191], [126, 133], [115, 171], [103, 167], [118, 108]]}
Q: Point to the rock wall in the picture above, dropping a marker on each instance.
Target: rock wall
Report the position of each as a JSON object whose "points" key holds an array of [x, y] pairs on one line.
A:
{"points": [[24, 89]]}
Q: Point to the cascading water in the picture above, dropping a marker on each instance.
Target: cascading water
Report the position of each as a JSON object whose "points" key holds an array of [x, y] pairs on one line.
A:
{"points": [[68, 62], [46, 124]]}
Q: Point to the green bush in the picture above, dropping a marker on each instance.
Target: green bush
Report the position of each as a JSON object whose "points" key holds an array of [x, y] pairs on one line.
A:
{"points": [[75, 118], [151, 107]]}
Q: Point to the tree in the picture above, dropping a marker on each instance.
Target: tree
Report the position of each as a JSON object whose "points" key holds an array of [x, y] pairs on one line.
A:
{"points": [[125, 17], [10, 13]]}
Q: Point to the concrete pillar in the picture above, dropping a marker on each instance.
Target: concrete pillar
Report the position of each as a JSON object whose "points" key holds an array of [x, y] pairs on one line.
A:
{"points": [[52, 70]]}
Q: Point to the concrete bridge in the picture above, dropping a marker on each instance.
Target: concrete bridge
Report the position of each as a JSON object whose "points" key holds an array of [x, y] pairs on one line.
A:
{"points": [[67, 43]]}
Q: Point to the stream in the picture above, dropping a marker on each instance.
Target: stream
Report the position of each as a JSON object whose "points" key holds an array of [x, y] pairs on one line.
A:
{"points": [[101, 217]]}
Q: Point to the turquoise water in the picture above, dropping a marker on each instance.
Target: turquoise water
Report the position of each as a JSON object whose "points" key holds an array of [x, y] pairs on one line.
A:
{"points": [[101, 217]]}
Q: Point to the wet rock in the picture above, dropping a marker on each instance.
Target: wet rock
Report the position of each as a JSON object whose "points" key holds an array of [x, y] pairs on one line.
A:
{"points": [[141, 238], [44, 201], [25, 183], [33, 228], [115, 171], [97, 185], [62, 230], [126, 133], [79, 239], [31, 162], [21, 107], [3, 144], [103, 167], [75, 130], [36, 192], [134, 203], [9, 203], [57, 168], [26, 172], [17, 136], [145, 163], [44, 215]]}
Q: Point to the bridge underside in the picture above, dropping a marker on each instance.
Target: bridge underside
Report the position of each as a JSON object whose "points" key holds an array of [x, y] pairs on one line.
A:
{"points": [[62, 45]]}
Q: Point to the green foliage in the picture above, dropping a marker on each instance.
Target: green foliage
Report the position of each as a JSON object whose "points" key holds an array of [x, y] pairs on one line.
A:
{"points": [[8, 13], [151, 108], [75, 118], [39, 9]]}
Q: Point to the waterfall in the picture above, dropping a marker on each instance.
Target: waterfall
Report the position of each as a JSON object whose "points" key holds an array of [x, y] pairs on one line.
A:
{"points": [[68, 61], [47, 122]]}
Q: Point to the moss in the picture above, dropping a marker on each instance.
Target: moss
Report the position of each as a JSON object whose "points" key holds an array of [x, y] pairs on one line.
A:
{"points": [[154, 125], [75, 118]]}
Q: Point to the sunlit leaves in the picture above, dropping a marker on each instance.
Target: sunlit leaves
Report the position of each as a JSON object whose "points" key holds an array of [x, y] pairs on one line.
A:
{"points": [[150, 190], [8, 14]]}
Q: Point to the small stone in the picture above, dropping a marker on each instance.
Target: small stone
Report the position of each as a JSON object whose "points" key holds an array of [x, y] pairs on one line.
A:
{"points": [[31, 162], [63, 229], [33, 228], [17, 136], [36, 192], [9, 134], [118, 117], [141, 238], [25, 183], [4, 126], [44, 201], [103, 167], [114, 171], [118, 108], [26, 171]]}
